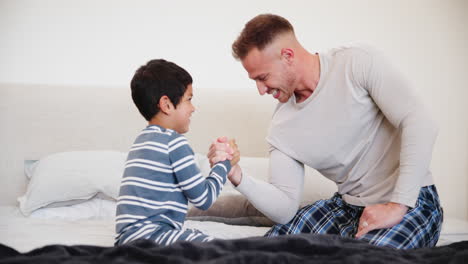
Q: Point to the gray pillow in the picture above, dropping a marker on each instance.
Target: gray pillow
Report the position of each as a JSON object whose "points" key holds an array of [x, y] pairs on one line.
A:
{"points": [[233, 209]]}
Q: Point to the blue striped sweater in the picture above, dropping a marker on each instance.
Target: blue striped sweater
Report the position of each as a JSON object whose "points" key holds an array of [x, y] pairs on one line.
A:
{"points": [[160, 178]]}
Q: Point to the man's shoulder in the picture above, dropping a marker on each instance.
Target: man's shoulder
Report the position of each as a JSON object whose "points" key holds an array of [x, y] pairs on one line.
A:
{"points": [[354, 49]]}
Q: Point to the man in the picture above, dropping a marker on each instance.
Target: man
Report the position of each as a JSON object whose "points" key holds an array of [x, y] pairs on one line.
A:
{"points": [[350, 115]]}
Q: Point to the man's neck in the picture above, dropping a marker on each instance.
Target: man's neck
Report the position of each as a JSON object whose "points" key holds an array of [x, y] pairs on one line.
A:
{"points": [[310, 77]]}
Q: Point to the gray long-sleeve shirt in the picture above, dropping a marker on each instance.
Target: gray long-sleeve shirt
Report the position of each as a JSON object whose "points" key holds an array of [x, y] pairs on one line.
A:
{"points": [[363, 128]]}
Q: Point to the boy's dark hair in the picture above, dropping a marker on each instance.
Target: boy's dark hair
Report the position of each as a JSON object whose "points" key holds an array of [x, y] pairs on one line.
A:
{"points": [[154, 80], [259, 32]]}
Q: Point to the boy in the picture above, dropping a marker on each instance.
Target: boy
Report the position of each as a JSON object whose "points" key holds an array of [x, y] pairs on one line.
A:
{"points": [[161, 175]]}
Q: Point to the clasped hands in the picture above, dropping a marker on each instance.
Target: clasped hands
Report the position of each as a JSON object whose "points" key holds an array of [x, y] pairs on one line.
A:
{"points": [[226, 149]]}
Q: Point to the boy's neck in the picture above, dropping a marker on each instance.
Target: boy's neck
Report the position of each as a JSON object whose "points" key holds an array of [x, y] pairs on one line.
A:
{"points": [[160, 122], [157, 123]]}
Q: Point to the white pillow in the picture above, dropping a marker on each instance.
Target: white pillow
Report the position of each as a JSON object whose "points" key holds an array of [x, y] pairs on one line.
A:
{"points": [[316, 186], [69, 177], [93, 209], [29, 167]]}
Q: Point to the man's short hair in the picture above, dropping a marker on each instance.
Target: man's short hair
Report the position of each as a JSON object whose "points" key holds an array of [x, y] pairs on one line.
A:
{"points": [[258, 33], [154, 80]]}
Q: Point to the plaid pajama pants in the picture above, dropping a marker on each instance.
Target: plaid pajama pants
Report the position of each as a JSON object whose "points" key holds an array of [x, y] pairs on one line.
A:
{"points": [[420, 226]]}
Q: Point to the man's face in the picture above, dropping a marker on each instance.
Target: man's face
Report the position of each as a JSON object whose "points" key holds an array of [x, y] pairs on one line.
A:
{"points": [[271, 73]]}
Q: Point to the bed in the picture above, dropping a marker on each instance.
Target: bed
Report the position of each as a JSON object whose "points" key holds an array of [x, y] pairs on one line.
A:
{"points": [[62, 182], [67, 214]]}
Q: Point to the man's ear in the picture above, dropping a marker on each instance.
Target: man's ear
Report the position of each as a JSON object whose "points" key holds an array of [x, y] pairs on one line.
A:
{"points": [[165, 104], [287, 54]]}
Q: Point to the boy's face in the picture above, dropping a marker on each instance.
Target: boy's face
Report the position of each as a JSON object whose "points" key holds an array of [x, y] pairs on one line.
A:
{"points": [[183, 112]]}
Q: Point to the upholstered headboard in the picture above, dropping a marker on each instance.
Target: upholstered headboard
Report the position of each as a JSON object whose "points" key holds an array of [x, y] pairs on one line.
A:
{"points": [[38, 120]]}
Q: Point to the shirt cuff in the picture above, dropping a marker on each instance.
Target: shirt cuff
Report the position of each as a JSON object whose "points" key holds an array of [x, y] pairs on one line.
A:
{"points": [[246, 184], [226, 164]]}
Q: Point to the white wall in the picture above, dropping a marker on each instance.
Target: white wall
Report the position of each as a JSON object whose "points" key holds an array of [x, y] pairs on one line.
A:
{"points": [[101, 43]]}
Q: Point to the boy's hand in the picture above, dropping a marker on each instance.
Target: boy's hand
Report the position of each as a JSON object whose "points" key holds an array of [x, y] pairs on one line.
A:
{"points": [[222, 149]]}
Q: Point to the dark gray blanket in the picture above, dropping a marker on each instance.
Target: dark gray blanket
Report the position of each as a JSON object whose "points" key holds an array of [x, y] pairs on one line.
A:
{"points": [[304, 248]]}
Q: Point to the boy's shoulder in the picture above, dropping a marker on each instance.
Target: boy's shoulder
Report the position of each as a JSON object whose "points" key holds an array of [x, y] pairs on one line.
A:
{"points": [[163, 140], [158, 133], [159, 130]]}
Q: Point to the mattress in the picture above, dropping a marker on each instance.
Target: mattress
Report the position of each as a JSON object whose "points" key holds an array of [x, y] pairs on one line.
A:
{"points": [[26, 233]]}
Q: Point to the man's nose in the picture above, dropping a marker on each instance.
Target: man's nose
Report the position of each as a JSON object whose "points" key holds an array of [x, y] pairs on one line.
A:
{"points": [[262, 89]]}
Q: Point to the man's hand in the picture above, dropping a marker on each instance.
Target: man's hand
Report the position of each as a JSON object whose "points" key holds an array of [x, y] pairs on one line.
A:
{"points": [[235, 175], [236, 154], [380, 216], [222, 149]]}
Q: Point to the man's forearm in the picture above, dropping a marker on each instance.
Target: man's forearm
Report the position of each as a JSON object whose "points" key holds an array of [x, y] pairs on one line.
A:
{"points": [[268, 199]]}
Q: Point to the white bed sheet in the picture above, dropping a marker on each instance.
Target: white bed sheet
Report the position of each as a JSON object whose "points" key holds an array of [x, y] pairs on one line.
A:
{"points": [[453, 230], [25, 233]]}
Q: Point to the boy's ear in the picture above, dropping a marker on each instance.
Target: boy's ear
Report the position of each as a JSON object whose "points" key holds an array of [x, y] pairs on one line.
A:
{"points": [[165, 104]]}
